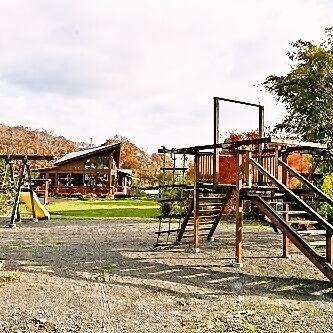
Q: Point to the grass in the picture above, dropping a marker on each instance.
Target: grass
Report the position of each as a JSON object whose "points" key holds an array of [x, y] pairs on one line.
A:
{"points": [[99, 209]]}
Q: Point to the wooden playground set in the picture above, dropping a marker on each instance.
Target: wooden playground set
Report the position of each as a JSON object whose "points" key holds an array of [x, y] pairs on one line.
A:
{"points": [[262, 177], [262, 180]]}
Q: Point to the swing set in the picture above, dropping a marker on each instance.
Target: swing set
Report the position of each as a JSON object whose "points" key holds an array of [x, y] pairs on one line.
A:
{"points": [[17, 181]]}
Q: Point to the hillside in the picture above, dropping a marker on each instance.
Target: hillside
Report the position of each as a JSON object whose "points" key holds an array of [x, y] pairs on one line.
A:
{"points": [[21, 140]]}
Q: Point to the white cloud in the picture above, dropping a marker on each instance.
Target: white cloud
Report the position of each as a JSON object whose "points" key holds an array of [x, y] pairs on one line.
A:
{"points": [[145, 69]]}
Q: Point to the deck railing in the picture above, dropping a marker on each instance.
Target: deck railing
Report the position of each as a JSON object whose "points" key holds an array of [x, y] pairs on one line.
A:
{"points": [[205, 167]]}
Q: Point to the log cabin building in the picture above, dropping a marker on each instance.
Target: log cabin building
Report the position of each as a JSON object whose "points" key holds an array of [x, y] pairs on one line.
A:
{"points": [[93, 171]]}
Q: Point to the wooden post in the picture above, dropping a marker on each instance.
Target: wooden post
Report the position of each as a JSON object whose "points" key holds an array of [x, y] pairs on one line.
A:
{"points": [[285, 177], [329, 248], [15, 216], [46, 192], [261, 146], [248, 173], [216, 162], [285, 246], [239, 211], [285, 240], [31, 192], [196, 204], [277, 167], [261, 121], [56, 179]]}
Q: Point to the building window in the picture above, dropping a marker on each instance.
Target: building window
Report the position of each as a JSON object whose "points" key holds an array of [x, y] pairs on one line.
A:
{"points": [[64, 179], [77, 179], [89, 180], [89, 164], [100, 180], [103, 162]]}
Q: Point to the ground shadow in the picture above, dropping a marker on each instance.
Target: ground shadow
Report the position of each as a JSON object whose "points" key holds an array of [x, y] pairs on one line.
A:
{"points": [[121, 254]]}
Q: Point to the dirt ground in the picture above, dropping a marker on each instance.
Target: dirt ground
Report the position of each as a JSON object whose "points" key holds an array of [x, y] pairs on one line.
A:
{"points": [[105, 276]]}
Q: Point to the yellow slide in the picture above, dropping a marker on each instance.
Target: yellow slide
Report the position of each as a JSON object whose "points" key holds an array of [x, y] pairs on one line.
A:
{"points": [[40, 210]]}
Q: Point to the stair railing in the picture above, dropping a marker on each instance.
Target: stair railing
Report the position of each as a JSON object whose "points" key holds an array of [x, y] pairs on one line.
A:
{"points": [[185, 221], [327, 226], [322, 263], [306, 182], [205, 167]]}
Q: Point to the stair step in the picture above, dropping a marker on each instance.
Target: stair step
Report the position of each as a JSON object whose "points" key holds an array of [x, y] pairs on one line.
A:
{"points": [[200, 235], [292, 212], [209, 198], [200, 229], [212, 205], [166, 231], [209, 210], [318, 243], [302, 222], [191, 224], [281, 202], [264, 187], [171, 216], [311, 232], [204, 217]]}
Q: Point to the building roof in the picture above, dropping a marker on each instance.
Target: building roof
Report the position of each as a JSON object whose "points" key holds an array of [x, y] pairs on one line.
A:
{"points": [[126, 171], [85, 153]]}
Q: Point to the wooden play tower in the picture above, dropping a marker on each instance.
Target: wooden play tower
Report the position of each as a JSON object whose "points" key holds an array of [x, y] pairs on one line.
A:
{"points": [[263, 180]]}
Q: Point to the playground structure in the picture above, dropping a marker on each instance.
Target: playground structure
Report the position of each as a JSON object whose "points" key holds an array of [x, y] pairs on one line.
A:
{"points": [[262, 178], [24, 187]]}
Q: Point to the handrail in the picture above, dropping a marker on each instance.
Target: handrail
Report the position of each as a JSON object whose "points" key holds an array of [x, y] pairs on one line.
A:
{"points": [[319, 261], [320, 193], [185, 221], [293, 196]]}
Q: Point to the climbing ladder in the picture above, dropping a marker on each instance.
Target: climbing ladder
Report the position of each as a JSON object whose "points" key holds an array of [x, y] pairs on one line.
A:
{"points": [[209, 211], [197, 210], [174, 195]]}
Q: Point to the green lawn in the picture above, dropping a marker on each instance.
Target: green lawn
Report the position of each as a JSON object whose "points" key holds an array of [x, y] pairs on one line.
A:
{"points": [[99, 209]]}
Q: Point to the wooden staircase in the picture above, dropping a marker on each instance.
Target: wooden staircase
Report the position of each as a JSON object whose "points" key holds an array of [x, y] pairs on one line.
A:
{"points": [[291, 214]]}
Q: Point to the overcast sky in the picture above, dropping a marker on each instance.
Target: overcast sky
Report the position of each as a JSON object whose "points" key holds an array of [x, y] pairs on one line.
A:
{"points": [[146, 69]]}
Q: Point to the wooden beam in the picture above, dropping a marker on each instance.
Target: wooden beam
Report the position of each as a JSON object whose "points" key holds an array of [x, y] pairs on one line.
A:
{"points": [[248, 171], [302, 144], [236, 101], [239, 211], [196, 204], [46, 192], [329, 248], [216, 161], [285, 246]]}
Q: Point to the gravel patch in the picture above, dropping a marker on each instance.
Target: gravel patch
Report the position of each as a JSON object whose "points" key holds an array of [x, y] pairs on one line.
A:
{"points": [[105, 276]]}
